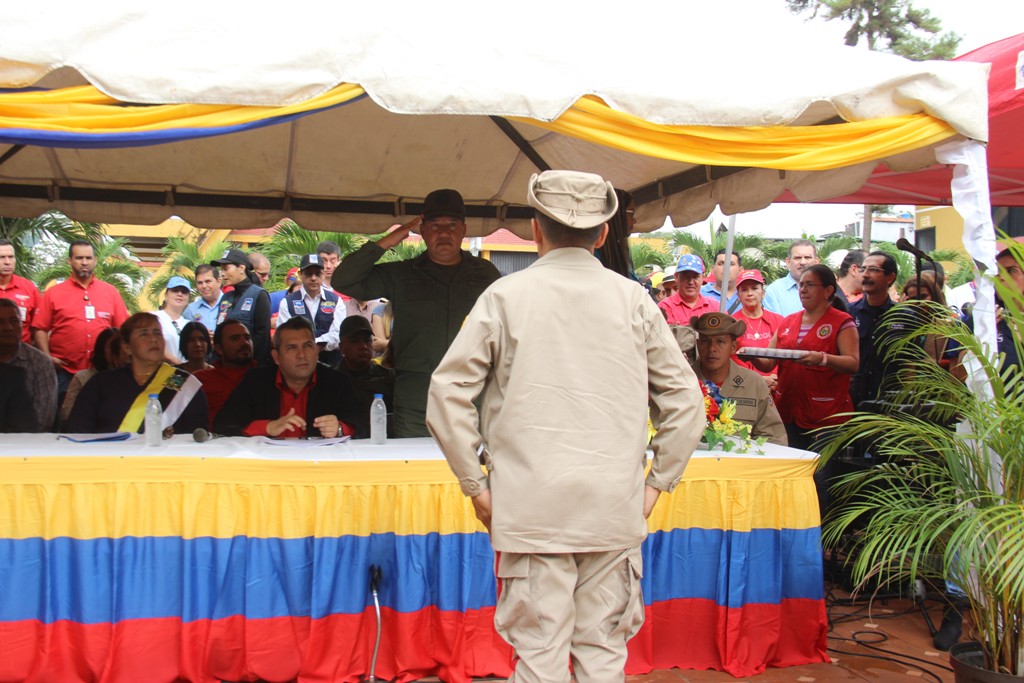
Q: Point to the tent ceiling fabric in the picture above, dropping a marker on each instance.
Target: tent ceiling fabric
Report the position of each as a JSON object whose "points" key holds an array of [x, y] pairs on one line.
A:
{"points": [[890, 184], [435, 102]]}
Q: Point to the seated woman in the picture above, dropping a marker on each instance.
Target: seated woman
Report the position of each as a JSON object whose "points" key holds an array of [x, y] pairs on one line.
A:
{"points": [[107, 353], [194, 346], [115, 401]]}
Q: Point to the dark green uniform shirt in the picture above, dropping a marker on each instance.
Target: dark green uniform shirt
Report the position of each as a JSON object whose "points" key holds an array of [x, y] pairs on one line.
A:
{"points": [[430, 302]]}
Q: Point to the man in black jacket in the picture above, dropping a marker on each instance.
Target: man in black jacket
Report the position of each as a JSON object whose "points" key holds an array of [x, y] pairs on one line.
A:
{"points": [[297, 398]]}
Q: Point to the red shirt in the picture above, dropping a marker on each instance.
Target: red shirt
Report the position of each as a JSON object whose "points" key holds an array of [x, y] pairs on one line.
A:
{"points": [[289, 400], [23, 292], [759, 334], [218, 383], [678, 312], [74, 315]]}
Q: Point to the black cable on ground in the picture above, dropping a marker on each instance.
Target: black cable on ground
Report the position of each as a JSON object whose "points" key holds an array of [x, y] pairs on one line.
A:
{"points": [[894, 660]]}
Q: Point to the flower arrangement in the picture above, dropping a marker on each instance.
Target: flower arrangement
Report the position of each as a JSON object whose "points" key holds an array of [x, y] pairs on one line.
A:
{"points": [[722, 430]]}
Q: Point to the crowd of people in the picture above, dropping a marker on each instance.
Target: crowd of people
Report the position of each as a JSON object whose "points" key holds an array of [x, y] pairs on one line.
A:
{"points": [[87, 366], [546, 377]]}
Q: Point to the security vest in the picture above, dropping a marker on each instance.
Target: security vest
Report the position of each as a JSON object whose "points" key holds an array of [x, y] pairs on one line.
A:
{"points": [[812, 396], [324, 313], [240, 304]]}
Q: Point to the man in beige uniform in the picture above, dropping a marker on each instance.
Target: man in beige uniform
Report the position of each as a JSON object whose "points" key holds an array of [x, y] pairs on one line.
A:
{"points": [[717, 335], [563, 356]]}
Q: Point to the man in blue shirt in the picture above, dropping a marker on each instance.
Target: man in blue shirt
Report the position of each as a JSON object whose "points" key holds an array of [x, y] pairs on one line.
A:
{"points": [[782, 296], [207, 306], [713, 290]]}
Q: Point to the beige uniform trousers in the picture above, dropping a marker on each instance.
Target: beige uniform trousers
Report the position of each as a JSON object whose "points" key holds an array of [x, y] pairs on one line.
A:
{"points": [[581, 607]]}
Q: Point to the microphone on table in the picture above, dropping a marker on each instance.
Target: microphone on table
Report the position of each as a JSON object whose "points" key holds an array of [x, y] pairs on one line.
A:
{"points": [[201, 435], [903, 244]]}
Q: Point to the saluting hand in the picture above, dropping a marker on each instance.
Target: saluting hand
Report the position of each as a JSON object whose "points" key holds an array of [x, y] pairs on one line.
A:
{"points": [[398, 233]]}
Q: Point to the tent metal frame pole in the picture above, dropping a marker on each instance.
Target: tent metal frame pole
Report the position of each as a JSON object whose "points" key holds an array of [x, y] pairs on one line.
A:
{"points": [[522, 143]]}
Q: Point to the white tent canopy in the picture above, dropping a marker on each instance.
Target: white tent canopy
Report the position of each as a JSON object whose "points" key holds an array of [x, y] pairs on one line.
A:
{"points": [[450, 92]]}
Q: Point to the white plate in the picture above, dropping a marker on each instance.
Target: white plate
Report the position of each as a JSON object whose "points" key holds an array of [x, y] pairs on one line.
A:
{"points": [[757, 352]]}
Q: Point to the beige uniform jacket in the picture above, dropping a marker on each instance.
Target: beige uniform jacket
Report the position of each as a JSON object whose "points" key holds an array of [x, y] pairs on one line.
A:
{"points": [[754, 405], [564, 355]]}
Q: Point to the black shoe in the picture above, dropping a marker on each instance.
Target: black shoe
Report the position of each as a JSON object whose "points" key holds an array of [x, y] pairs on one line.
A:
{"points": [[951, 629]]}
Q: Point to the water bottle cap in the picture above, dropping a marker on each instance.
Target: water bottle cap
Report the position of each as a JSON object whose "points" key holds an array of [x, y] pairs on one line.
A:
{"points": [[154, 395], [378, 395]]}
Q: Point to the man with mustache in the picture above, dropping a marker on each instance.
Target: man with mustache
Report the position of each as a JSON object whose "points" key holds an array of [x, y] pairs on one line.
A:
{"points": [[879, 272], [430, 294]]}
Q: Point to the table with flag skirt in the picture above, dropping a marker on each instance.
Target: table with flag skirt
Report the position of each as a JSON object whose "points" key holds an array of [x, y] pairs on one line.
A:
{"points": [[236, 560]]}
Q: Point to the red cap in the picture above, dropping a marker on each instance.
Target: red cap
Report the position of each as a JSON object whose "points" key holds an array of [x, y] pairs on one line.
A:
{"points": [[745, 275], [292, 276]]}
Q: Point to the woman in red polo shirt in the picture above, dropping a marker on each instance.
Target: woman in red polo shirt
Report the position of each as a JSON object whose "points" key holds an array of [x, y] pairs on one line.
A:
{"points": [[761, 324]]}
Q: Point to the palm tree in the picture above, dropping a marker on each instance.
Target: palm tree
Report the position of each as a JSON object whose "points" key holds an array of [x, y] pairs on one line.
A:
{"points": [[645, 253], [291, 241], [181, 257], [906, 268], [115, 265], [403, 251], [833, 244], [24, 233], [756, 251]]}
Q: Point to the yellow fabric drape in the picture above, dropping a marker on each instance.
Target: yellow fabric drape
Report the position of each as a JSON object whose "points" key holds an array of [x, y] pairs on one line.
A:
{"points": [[789, 148], [84, 109]]}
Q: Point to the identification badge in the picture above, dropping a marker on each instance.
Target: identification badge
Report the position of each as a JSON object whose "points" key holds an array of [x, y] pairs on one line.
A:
{"points": [[247, 305], [23, 312], [300, 308], [90, 312]]}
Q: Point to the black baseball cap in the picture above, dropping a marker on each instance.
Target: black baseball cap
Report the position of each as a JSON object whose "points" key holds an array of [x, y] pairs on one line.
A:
{"points": [[444, 203]]}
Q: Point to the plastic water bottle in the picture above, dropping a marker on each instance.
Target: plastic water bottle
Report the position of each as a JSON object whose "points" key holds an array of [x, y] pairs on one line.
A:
{"points": [[378, 421], [154, 430]]}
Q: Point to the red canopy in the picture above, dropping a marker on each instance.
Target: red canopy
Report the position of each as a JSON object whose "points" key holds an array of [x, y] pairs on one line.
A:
{"points": [[1005, 148]]}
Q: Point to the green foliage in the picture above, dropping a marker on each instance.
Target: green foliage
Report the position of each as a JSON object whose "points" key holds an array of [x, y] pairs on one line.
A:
{"points": [[756, 251], [944, 504], [895, 26], [291, 242], [645, 253], [181, 257], [403, 252], [833, 244], [24, 233], [115, 265]]}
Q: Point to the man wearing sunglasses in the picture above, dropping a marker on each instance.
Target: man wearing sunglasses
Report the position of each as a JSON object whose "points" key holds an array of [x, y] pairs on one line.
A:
{"points": [[431, 295]]}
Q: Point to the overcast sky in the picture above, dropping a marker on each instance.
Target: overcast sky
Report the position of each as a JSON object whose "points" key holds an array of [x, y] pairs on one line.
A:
{"points": [[979, 22]]}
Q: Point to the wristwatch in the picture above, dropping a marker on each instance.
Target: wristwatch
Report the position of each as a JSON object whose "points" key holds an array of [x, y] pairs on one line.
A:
{"points": [[824, 359]]}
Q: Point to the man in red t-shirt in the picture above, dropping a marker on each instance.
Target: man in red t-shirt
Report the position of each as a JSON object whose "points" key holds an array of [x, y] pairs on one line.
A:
{"points": [[21, 291], [74, 312], [233, 344], [687, 302]]}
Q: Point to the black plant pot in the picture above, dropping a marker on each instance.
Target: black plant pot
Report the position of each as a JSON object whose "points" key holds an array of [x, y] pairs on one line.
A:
{"points": [[968, 662]]}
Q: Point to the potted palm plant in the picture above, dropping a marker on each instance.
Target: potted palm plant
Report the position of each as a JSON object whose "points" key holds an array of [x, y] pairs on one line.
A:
{"points": [[946, 502]]}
